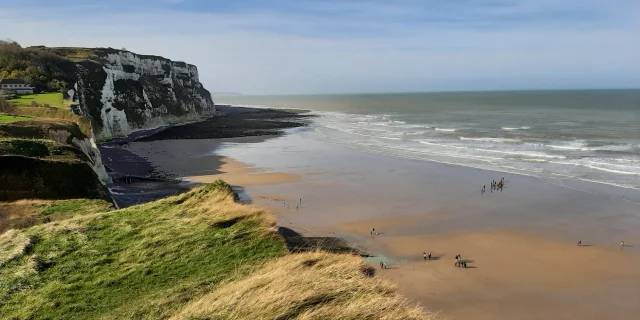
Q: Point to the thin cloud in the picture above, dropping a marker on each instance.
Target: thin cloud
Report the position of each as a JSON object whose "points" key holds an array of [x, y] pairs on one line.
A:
{"points": [[352, 47]]}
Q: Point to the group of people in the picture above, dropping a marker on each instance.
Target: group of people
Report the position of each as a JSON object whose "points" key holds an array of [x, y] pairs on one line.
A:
{"points": [[459, 262], [286, 205], [495, 185], [425, 256]]}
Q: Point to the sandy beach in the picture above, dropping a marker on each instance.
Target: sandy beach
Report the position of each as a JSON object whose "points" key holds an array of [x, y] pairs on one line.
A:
{"points": [[509, 273], [241, 174], [520, 242]]}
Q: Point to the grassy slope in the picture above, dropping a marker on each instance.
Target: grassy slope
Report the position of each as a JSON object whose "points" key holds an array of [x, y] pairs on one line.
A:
{"points": [[144, 260], [5, 118], [26, 213], [198, 255], [46, 114], [53, 99]]}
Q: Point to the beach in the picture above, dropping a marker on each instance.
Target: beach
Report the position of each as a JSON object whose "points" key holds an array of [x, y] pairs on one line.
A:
{"points": [[521, 242]]}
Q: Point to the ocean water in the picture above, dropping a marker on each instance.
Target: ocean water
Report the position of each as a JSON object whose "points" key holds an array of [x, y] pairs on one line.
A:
{"points": [[588, 135]]}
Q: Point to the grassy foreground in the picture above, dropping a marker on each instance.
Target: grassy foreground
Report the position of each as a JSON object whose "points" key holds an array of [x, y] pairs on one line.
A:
{"points": [[198, 255]]}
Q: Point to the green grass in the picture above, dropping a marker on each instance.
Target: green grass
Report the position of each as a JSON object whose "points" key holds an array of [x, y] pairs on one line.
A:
{"points": [[6, 118], [26, 213], [53, 99], [142, 262], [72, 207], [39, 148]]}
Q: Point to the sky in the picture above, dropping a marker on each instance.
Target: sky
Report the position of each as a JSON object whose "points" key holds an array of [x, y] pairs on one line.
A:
{"points": [[349, 46]]}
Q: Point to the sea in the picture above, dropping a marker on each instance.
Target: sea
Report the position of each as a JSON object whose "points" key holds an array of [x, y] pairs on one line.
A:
{"points": [[585, 135]]}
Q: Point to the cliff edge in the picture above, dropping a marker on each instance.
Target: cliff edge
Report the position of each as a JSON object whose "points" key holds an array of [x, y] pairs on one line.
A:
{"points": [[120, 91]]}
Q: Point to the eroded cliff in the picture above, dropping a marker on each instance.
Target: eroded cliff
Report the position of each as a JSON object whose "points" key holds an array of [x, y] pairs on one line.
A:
{"points": [[49, 159], [120, 91]]}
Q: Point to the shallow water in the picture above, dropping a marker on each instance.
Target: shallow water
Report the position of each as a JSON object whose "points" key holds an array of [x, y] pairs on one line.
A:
{"points": [[341, 185], [590, 135]]}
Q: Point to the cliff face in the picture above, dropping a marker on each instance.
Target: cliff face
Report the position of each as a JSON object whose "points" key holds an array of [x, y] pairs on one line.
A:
{"points": [[120, 91], [49, 159]]}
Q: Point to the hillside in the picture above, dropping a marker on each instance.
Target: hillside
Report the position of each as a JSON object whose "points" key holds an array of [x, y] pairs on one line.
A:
{"points": [[49, 159], [45, 70], [118, 91], [198, 255]]}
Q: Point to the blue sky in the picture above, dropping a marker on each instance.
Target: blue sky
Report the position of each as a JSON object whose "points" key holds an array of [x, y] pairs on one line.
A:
{"points": [[305, 46]]}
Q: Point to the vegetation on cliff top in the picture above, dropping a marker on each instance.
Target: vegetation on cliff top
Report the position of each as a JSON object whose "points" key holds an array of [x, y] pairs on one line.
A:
{"points": [[6, 118], [46, 114], [53, 99], [44, 159], [198, 255], [39, 148], [45, 70]]}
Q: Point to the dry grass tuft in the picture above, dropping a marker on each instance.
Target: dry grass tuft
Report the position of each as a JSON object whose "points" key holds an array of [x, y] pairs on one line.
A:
{"points": [[218, 209], [22, 214], [13, 244], [306, 286]]}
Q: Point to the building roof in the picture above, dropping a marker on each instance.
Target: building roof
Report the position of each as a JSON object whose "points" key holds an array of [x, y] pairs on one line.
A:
{"points": [[12, 81]]}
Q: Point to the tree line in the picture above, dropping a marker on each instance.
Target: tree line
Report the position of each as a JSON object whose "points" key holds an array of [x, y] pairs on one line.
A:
{"points": [[44, 70]]}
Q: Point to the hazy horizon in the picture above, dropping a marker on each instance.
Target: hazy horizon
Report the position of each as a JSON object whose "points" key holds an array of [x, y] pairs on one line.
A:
{"points": [[240, 94], [285, 47]]}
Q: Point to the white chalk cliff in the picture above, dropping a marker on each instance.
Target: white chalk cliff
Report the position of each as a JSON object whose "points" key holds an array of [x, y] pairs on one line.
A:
{"points": [[121, 92]]}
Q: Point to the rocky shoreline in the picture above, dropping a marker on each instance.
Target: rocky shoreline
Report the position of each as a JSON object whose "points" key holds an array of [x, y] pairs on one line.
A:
{"points": [[136, 181]]}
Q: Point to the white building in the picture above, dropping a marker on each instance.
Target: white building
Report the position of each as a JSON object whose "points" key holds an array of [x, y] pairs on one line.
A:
{"points": [[15, 85]]}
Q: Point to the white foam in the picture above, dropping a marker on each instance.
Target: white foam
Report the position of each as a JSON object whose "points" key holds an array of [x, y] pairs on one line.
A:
{"points": [[575, 159], [513, 128], [577, 145], [415, 133], [499, 140], [582, 146]]}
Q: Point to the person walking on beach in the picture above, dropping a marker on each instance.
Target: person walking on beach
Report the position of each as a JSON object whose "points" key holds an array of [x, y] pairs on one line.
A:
{"points": [[621, 244], [424, 255], [373, 231], [579, 243], [429, 256]]}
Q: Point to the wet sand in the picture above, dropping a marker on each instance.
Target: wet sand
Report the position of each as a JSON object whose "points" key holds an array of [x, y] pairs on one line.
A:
{"points": [[522, 241], [241, 174], [144, 169], [511, 274], [196, 161]]}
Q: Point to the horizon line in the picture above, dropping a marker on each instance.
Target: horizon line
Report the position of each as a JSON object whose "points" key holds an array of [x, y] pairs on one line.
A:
{"points": [[239, 94]]}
